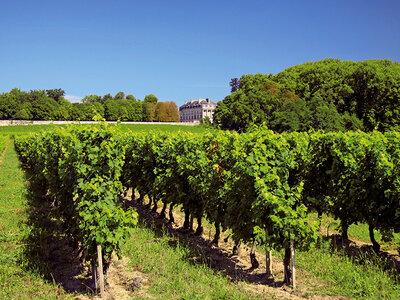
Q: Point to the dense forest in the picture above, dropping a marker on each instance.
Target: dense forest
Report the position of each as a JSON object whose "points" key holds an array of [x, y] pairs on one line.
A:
{"points": [[51, 105], [330, 94]]}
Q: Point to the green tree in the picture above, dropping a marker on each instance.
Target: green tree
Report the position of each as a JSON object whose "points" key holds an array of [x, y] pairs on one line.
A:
{"points": [[44, 108], [254, 103], [8, 107], [55, 94], [294, 116], [76, 113], [134, 110], [150, 99], [92, 99], [366, 90], [119, 96], [35, 94], [115, 110], [146, 115], [106, 97]]}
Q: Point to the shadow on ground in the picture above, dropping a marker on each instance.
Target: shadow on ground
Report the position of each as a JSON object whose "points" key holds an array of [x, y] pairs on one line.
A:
{"points": [[363, 252], [50, 252], [202, 251]]}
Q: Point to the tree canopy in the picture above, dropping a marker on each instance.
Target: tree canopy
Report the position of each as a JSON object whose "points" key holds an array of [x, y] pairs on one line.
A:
{"points": [[51, 105], [330, 94]]}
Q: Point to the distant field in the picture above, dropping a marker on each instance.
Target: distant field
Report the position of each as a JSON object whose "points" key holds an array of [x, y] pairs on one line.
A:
{"points": [[27, 129]]}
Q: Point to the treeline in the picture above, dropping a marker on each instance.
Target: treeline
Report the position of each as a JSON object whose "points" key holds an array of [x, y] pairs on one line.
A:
{"points": [[330, 94], [51, 105]]}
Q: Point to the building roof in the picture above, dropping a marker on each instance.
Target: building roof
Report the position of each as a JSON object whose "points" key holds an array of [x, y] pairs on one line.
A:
{"points": [[193, 102]]}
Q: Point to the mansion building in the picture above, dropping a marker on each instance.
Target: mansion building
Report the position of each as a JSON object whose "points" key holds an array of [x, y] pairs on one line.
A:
{"points": [[195, 110]]}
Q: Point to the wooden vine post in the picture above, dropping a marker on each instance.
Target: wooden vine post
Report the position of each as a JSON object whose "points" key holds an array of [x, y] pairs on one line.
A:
{"points": [[293, 263], [268, 258], [100, 270]]}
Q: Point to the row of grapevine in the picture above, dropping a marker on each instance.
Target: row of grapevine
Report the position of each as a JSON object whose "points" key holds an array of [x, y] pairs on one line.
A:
{"points": [[261, 185], [355, 177], [76, 171], [250, 183]]}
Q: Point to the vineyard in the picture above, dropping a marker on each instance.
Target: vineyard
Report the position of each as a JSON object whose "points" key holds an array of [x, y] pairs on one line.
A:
{"points": [[259, 186]]}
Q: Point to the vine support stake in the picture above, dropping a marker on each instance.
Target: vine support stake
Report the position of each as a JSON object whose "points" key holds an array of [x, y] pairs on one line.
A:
{"points": [[293, 264], [268, 259], [100, 271]]}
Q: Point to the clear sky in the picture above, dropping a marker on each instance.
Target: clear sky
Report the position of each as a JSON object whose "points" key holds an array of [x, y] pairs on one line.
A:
{"points": [[182, 50]]}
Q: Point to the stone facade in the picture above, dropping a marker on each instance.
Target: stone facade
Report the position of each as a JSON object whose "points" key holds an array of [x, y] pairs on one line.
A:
{"points": [[195, 110]]}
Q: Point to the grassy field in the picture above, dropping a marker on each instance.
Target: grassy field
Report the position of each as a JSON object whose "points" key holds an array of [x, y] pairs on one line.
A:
{"points": [[4, 138], [28, 129]]}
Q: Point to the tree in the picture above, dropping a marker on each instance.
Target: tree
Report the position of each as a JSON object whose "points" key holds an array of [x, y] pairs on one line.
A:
{"points": [[166, 112], [8, 107], [172, 111], [134, 110], [106, 97], [293, 116], [234, 84], [119, 96], [35, 94], [160, 112], [150, 99], [366, 90], [44, 108], [254, 103], [115, 110], [131, 97], [55, 94], [151, 107], [341, 95], [146, 115], [76, 112], [92, 99]]}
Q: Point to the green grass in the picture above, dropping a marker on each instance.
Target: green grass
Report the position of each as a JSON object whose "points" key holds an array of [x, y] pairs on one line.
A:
{"points": [[28, 129], [360, 278], [173, 276], [22, 129], [15, 281], [3, 142], [164, 127], [359, 232]]}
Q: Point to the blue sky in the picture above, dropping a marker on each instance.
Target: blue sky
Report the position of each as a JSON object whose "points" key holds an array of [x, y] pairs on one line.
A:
{"points": [[182, 50]]}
